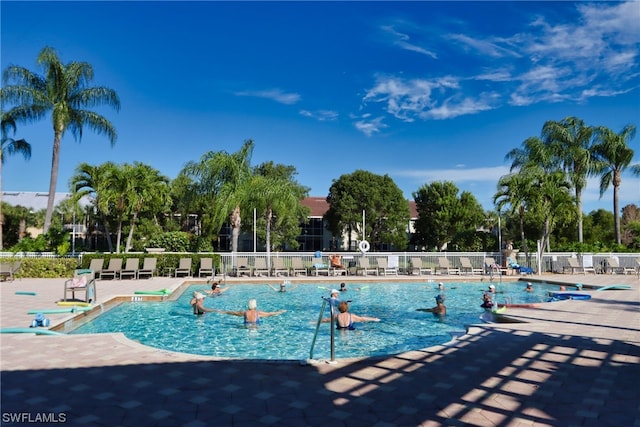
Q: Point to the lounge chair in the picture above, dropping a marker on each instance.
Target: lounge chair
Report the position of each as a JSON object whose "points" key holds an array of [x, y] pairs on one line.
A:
{"points": [[466, 266], [184, 268], [113, 269], [148, 267], [8, 269], [365, 266], [574, 265], [384, 268], [491, 266], [260, 266], [445, 265], [297, 266], [418, 265], [96, 265], [242, 267], [206, 267], [320, 267], [83, 281], [279, 268], [614, 266], [130, 268]]}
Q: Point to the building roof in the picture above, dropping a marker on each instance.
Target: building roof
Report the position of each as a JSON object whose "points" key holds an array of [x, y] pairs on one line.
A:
{"points": [[319, 207], [36, 201]]}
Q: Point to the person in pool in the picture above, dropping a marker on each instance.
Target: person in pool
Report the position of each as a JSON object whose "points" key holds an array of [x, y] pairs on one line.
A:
{"points": [[346, 320], [343, 287], [440, 309], [216, 289], [197, 302], [251, 315], [529, 287], [486, 301]]}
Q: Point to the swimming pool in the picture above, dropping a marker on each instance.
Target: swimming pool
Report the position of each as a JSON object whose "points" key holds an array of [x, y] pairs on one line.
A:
{"points": [[171, 325]]}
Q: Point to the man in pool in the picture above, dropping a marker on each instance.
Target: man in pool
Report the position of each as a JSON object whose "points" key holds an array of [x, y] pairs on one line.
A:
{"points": [[440, 309], [197, 302], [251, 315], [529, 287], [487, 304], [346, 320]]}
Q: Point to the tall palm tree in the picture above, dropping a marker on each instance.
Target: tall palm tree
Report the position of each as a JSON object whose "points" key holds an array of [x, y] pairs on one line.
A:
{"points": [[570, 143], [613, 155], [222, 179], [149, 192], [92, 181], [63, 91], [10, 146]]}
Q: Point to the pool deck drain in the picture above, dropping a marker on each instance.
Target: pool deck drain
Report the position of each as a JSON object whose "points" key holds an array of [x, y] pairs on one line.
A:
{"points": [[569, 363]]}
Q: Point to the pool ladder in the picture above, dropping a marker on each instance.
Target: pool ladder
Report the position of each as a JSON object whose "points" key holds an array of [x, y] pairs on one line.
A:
{"points": [[315, 335]]}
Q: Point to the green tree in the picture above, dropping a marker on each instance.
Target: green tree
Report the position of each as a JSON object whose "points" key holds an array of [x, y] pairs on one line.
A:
{"points": [[8, 147], [443, 215], [613, 155], [386, 210], [570, 142], [149, 192], [63, 91], [92, 181], [220, 180]]}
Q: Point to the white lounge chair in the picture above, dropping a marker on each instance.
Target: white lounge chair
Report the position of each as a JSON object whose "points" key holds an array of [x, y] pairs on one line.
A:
{"points": [[365, 266], [384, 268], [206, 267], [113, 269], [148, 267], [467, 266], [418, 265], [297, 266], [130, 268], [184, 268], [279, 268], [445, 265]]}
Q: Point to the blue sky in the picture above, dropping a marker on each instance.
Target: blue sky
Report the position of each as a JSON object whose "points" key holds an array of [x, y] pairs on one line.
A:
{"points": [[421, 91]]}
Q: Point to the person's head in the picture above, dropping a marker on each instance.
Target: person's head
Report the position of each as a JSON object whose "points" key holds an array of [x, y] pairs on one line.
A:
{"points": [[252, 304], [486, 296], [343, 286], [343, 307], [214, 286], [492, 288], [197, 295], [334, 293], [440, 285], [529, 286], [283, 287], [439, 299]]}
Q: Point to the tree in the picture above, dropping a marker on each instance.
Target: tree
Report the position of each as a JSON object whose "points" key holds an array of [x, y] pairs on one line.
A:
{"points": [[386, 210], [221, 180], [570, 143], [613, 156], [149, 192], [64, 92], [9, 146], [443, 215]]}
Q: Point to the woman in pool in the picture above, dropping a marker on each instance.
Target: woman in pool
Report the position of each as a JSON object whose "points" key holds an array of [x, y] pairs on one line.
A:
{"points": [[346, 320], [216, 289], [197, 304], [440, 309], [487, 304], [251, 315]]}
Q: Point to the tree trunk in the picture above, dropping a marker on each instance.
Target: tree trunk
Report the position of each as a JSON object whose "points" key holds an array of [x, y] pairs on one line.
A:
{"points": [[130, 237], [55, 164], [579, 207], [235, 228]]}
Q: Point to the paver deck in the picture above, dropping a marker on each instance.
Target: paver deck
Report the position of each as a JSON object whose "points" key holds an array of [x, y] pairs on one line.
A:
{"points": [[569, 363]]}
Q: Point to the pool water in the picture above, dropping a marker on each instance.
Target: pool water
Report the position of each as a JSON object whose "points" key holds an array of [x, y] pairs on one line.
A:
{"points": [[171, 325]]}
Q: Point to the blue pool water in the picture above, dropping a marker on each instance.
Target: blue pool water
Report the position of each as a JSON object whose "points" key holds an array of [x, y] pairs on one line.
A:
{"points": [[171, 325]]}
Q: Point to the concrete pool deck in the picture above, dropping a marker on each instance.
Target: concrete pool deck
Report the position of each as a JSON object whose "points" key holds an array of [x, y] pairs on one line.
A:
{"points": [[569, 363]]}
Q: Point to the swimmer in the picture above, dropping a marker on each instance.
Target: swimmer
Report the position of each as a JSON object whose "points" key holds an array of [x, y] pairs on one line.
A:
{"points": [[441, 286], [343, 287], [345, 320], [284, 286], [486, 301], [216, 289], [529, 287], [197, 302], [440, 309], [251, 315]]}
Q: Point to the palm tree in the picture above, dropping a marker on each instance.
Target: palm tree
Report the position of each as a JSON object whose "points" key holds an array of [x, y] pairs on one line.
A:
{"points": [[221, 178], [570, 143], [63, 90], [92, 181], [273, 198], [149, 192], [10, 146], [613, 155]]}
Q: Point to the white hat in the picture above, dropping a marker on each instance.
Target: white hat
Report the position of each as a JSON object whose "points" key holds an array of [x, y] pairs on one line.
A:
{"points": [[492, 287], [334, 291], [198, 295]]}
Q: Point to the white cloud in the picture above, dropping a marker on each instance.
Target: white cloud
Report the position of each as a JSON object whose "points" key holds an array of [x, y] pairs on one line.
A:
{"points": [[320, 115], [594, 53], [369, 127], [274, 94], [402, 40]]}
